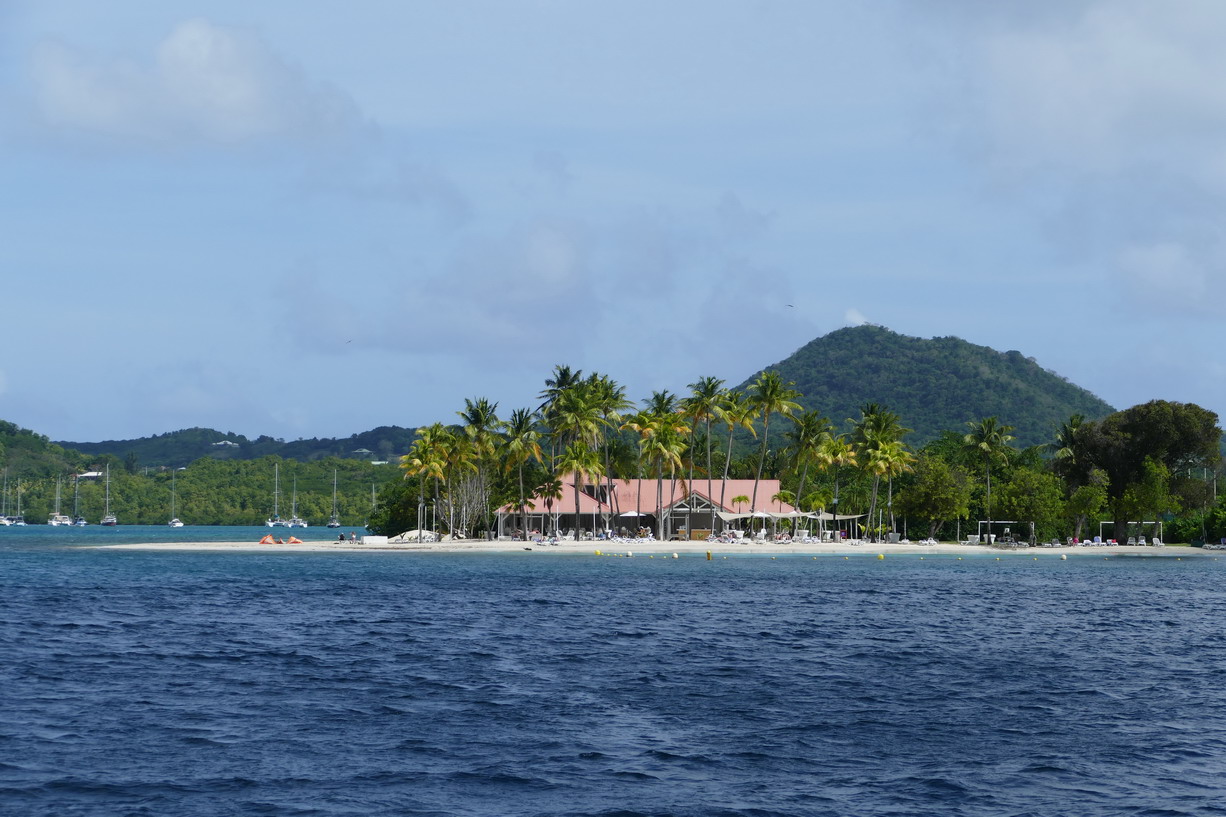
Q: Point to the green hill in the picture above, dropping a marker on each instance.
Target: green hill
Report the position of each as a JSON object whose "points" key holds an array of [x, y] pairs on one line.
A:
{"points": [[933, 385], [178, 448]]}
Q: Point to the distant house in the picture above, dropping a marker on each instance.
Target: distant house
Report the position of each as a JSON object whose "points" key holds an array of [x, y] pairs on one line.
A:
{"points": [[362, 453], [89, 475], [225, 443]]}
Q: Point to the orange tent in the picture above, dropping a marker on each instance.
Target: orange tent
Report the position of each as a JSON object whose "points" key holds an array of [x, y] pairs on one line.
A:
{"points": [[267, 540], [293, 540]]}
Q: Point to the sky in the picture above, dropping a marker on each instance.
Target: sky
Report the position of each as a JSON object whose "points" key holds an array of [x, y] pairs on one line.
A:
{"points": [[308, 219]]}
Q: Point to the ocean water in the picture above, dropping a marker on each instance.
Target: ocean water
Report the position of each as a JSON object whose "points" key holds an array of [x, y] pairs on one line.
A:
{"points": [[180, 683]]}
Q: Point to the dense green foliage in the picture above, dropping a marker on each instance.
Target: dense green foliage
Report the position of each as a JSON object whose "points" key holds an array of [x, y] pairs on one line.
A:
{"points": [[1049, 455], [178, 448], [935, 384], [208, 491]]}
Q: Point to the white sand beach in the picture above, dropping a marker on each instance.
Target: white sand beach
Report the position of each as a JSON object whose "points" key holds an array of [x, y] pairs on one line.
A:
{"points": [[667, 549]]}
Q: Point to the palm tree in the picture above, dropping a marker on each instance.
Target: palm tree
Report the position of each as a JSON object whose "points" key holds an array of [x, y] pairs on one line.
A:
{"points": [[872, 435], [549, 492], [769, 395], [610, 402], [427, 459], [806, 436], [579, 459], [834, 453], [989, 441], [562, 380], [737, 411], [895, 460], [662, 435], [481, 422], [521, 444], [702, 405]]}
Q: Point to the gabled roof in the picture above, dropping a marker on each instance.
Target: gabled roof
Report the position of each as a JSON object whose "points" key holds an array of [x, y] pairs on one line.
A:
{"points": [[641, 495]]}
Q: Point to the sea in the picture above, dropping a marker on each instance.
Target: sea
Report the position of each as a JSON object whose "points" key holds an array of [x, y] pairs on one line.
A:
{"points": [[138, 682]]}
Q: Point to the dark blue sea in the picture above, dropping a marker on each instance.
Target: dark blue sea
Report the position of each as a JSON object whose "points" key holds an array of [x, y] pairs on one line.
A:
{"points": [[342, 683]]}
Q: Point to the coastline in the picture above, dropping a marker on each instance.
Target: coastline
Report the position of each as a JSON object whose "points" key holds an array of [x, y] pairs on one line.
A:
{"points": [[667, 549]]}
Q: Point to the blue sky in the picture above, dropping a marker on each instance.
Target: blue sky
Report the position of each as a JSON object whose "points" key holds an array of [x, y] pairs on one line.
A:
{"points": [[307, 219]]}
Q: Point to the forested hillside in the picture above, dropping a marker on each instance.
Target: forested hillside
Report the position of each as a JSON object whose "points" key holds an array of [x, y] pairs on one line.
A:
{"points": [[178, 448], [934, 385], [208, 491]]}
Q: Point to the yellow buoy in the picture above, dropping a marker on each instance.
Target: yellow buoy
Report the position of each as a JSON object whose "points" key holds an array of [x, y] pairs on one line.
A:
{"points": [[708, 555], [880, 555]]}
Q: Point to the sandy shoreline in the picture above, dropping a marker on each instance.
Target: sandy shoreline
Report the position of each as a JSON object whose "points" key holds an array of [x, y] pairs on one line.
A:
{"points": [[668, 548]]}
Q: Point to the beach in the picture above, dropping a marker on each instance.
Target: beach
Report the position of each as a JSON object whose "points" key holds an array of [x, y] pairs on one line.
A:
{"points": [[681, 548]]}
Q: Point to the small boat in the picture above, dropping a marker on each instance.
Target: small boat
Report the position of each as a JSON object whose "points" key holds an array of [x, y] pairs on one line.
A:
{"points": [[334, 521], [174, 520], [108, 519], [57, 519], [78, 521]]}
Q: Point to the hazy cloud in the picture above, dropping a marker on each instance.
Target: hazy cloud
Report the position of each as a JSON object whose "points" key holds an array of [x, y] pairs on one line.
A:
{"points": [[203, 83]]}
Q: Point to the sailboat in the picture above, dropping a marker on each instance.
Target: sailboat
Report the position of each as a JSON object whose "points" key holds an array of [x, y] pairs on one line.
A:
{"points": [[18, 520], [334, 521], [295, 521], [4, 507], [174, 520], [276, 521], [58, 519], [77, 519], [108, 518]]}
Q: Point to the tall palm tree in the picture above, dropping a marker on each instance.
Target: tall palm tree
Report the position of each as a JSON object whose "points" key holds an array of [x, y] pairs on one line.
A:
{"points": [[895, 461], [989, 440], [702, 406], [520, 445], [769, 395], [834, 453], [563, 379], [576, 416], [809, 430], [610, 402], [481, 424], [428, 459], [872, 434], [662, 434], [423, 462], [736, 411], [584, 462]]}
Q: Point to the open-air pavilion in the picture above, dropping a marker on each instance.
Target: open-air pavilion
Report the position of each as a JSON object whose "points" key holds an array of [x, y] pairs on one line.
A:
{"points": [[663, 510]]}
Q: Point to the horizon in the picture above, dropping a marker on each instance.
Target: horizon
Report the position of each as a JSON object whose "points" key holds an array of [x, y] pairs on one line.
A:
{"points": [[498, 403], [313, 223]]}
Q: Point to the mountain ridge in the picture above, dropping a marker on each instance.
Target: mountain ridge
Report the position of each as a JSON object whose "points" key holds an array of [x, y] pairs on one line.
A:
{"points": [[934, 385]]}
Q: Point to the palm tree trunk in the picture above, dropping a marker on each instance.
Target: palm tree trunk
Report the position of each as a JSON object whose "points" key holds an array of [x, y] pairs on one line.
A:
{"points": [[800, 492], [723, 491], [523, 504], [710, 500], [872, 504], [766, 428]]}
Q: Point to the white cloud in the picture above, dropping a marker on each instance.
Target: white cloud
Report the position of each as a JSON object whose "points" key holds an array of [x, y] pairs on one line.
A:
{"points": [[853, 317], [204, 84]]}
